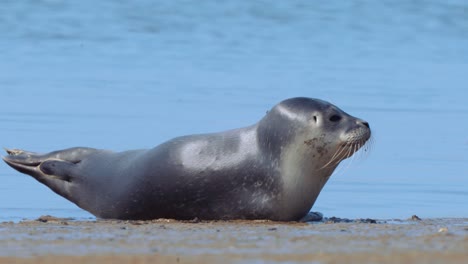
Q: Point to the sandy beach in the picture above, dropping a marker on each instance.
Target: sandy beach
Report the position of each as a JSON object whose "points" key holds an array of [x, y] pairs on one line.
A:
{"points": [[50, 239]]}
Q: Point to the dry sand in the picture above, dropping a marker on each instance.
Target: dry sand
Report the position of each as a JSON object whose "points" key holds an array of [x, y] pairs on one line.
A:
{"points": [[168, 241]]}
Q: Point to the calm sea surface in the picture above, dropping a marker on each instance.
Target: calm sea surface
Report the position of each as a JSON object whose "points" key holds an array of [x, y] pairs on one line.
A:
{"points": [[131, 74]]}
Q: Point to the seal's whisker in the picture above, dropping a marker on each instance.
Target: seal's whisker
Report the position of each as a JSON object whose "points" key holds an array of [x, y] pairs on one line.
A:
{"points": [[340, 154], [332, 158], [356, 149], [364, 153], [369, 145], [341, 169], [335, 156], [348, 151], [365, 149], [352, 149], [361, 151]]}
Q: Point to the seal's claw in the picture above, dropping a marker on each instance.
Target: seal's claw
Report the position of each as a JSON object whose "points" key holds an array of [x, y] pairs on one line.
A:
{"points": [[13, 152], [18, 156]]}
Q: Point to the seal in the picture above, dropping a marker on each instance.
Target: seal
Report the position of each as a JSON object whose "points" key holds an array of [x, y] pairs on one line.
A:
{"points": [[274, 169]]}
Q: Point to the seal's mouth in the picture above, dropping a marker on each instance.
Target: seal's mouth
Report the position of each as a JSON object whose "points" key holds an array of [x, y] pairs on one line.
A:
{"points": [[351, 147], [357, 137], [353, 141]]}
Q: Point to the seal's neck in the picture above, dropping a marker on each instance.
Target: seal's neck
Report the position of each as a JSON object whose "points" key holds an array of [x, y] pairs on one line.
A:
{"points": [[303, 179]]}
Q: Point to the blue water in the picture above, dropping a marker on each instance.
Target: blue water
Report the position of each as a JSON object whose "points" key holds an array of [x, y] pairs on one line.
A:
{"points": [[131, 74]]}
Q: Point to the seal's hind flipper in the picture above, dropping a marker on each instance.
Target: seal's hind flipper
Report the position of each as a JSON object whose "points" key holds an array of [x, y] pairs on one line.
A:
{"points": [[73, 155], [57, 164], [54, 169]]}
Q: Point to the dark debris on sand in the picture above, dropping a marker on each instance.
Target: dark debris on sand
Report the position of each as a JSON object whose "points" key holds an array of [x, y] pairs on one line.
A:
{"points": [[333, 220]]}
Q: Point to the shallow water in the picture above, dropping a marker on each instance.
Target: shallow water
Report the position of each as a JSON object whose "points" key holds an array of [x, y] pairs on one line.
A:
{"points": [[120, 75]]}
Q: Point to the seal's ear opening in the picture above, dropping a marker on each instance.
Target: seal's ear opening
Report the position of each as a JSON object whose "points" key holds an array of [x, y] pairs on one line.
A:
{"points": [[315, 118]]}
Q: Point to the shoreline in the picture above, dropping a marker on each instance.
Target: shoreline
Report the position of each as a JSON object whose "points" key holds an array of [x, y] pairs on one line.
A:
{"points": [[168, 241]]}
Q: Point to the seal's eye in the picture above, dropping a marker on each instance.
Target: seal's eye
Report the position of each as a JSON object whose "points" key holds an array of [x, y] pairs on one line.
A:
{"points": [[335, 118]]}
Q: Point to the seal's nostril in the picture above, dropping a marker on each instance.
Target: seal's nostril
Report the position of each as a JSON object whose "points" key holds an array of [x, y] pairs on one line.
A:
{"points": [[365, 123]]}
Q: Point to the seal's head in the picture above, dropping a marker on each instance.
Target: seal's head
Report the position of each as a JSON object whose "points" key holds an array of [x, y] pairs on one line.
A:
{"points": [[313, 128]]}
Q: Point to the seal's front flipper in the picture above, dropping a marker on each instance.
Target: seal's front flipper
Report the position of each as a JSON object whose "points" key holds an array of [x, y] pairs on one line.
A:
{"points": [[312, 217]]}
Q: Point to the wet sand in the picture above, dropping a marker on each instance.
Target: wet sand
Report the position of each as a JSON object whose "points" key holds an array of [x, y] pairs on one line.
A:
{"points": [[167, 241]]}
